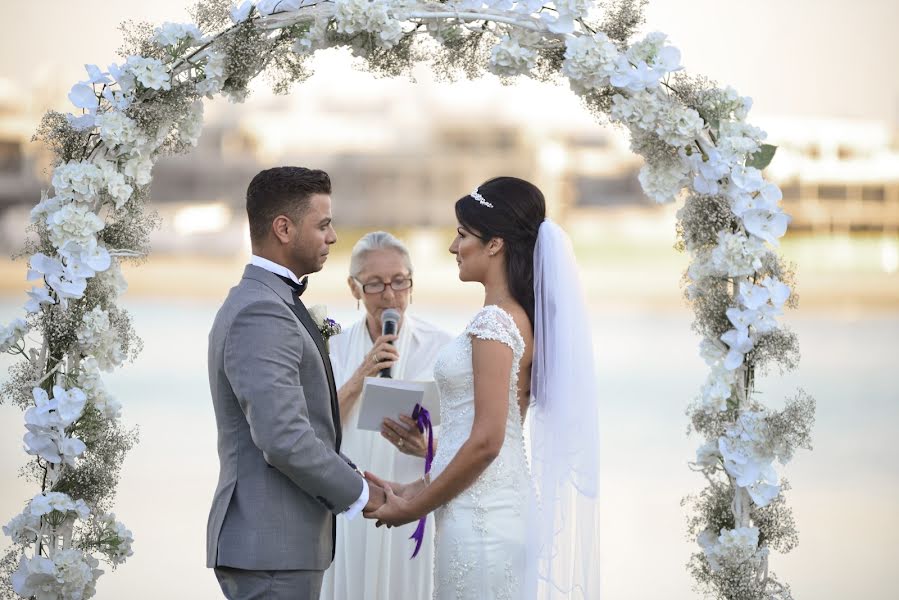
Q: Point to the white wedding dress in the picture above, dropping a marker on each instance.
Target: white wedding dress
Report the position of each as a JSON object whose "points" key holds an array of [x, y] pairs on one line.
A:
{"points": [[482, 538]]}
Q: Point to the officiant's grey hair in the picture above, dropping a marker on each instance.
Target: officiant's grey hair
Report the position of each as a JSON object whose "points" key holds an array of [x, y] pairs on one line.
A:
{"points": [[282, 191], [377, 240]]}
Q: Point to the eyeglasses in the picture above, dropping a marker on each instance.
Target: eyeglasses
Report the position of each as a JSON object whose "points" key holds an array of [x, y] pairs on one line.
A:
{"points": [[378, 287]]}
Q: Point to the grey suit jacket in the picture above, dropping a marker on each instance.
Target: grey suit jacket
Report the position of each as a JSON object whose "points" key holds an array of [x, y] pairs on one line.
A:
{"points": [[281, 477]]}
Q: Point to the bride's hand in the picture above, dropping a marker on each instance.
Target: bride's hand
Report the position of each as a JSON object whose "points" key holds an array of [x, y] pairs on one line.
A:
{"points": [[395, 511], [404, 490]]}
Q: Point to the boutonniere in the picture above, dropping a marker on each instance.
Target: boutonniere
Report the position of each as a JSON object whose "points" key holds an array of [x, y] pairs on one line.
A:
{"points": [[327, 326]]}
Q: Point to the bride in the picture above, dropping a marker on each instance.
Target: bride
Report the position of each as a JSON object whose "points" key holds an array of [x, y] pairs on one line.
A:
{"points": [[506, 529]]}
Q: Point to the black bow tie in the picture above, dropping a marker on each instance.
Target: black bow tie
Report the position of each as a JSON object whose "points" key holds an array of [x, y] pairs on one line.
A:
{"points": [[298, 288]]}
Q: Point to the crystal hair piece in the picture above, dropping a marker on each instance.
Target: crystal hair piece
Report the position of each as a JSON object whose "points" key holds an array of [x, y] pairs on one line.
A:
{"points": [[477, 196]]}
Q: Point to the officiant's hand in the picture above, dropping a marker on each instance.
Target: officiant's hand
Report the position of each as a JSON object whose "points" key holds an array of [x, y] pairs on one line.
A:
{"points": [[383, 355], [405, 436]]}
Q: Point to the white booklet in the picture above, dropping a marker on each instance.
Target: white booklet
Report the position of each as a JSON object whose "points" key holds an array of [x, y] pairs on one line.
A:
{"points": [[385, 397]]}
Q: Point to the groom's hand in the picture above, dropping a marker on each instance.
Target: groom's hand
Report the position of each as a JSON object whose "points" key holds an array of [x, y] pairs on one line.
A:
{"points": [[376, 498]]}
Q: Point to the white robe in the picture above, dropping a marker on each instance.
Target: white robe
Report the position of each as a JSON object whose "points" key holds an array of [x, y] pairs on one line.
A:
{"points": [[374, 563]]}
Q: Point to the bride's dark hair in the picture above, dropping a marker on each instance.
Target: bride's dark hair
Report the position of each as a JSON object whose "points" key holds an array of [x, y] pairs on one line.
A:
{"points": [[517, 212]]}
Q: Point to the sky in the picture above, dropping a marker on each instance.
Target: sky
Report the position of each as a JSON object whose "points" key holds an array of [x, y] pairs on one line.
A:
{"points": [[811, 58]]}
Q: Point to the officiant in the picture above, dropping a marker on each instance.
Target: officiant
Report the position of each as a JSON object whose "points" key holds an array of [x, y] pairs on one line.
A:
{"points": [[374, 563]]}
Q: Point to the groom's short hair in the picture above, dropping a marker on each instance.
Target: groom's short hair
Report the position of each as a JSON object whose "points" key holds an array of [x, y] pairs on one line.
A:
{"points": [[282, 191]]}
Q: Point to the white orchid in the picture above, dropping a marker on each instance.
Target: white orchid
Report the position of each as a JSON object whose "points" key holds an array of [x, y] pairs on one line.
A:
{"points": [[83, 96], [240, 12], [778, 291], [739, 342], [754, 296], [38, 297]]}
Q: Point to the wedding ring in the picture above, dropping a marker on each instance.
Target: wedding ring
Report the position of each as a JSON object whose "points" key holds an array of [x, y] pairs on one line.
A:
{"points": [[401, 443]]}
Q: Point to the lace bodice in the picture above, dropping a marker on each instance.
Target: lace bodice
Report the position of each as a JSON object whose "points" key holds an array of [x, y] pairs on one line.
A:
{"points": [[455, 380]]}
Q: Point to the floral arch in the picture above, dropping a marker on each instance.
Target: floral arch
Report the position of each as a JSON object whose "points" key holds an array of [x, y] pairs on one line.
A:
{"points": [[693, 136]]}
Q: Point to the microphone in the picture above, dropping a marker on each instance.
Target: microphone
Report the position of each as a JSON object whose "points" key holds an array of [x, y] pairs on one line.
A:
{"points": [[390, 320]]}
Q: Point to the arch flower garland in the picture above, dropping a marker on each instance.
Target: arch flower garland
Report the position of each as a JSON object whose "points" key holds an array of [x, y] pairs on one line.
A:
{"points": [[693, 136]]}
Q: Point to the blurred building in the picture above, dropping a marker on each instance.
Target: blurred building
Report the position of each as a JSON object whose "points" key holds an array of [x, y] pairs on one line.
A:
{"points": [[400, 153], [836, 175]]}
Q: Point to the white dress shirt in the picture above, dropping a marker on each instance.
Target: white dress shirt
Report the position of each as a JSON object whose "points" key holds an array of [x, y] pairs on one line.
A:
{"points": [[273, 267]]}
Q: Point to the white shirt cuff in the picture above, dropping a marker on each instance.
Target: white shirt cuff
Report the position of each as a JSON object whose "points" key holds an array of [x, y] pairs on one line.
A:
{"points": [[357, 506]]}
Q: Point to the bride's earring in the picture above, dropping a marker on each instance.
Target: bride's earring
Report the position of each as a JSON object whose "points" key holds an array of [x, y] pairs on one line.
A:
{"points": [[357, 303]]}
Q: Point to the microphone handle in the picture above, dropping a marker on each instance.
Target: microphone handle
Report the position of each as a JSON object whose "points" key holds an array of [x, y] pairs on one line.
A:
{"points": [[388, 329]]}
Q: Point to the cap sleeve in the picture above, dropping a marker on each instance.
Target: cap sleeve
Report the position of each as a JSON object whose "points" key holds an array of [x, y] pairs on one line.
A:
{"points": [[495, 324]]}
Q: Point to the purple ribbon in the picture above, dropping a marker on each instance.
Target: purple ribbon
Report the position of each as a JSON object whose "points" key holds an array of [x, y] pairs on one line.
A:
{"points": [[423, 420]]}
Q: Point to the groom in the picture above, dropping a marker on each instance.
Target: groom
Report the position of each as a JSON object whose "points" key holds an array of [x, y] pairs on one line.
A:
{"points": [[282, 478]]}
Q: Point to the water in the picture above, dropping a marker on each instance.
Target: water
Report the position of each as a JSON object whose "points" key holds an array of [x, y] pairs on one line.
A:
{"points": [[845, 493]]}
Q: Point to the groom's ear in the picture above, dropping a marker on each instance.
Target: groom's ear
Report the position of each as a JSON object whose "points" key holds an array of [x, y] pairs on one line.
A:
{"points": [[281, 226]]}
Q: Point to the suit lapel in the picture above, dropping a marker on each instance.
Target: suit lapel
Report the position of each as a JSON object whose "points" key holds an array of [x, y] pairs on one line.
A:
{"points": [[305, 318]]}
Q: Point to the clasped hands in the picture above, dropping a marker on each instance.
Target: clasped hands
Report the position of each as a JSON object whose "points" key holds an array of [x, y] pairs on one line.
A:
{"points": [[389, 503]]}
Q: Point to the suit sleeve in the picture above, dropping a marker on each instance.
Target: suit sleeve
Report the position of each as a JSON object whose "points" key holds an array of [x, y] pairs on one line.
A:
{"points": [[266, 382]]}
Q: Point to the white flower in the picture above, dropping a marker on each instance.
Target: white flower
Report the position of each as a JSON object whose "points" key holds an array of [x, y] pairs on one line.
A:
{"points": [[173, 34], [509, 57], [12, 334], [75, 223], [270, 7], [116, 184], [95, 75], [38, 297], [709, 167], [767, 225], [44, 414], [645, 63], [98, 339], [150, 72], [70, 404], [639, 110], [139, 168], [737, 255], [589, 61], [748, 456], [663, 181], [740, 343], [23, 528], [119, 548], [63, 282], [718, 388], [113, 278], [732, 548], [677, 124], [319, 313], [78, 180], [239, 13], [711, 351], [213, 74], [707, 455], [116, 129], [191, 126], [373, 16], [35, 577], [568, 12], [778, 291], [71, 448], [313, 39], [90, 380], [84, 96], [77, 572]]}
